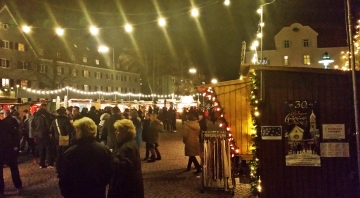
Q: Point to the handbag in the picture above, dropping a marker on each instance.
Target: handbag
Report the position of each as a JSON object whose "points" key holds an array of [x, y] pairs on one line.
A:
{"points": [[63, 139]]}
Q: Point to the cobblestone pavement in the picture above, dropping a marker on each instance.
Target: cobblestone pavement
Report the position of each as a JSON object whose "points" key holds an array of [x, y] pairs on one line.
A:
{"points": [[164, 178]]}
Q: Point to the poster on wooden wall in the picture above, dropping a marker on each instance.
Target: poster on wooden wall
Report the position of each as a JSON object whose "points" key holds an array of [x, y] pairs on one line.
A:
{"points": [[271, 132], [301, 133], [333, 131]]}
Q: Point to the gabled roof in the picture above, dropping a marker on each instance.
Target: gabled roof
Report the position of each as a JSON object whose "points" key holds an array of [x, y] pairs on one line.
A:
{"points": [[5, 9]]}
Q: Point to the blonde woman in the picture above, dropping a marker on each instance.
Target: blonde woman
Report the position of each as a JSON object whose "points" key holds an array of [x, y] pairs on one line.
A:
{"points": [[86, 169], [127, 176]]}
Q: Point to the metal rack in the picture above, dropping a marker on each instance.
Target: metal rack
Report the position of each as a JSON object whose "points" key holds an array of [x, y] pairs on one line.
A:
{"points": [[217, 168]]}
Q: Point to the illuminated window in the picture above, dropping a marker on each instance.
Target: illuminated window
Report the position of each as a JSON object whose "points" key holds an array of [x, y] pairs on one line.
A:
{"points": [[286, 44], [86, 87], [72, 57], [98, 88], [5, 82], [286, 60], [306, 59], [23, 83], [85, 59], [86, 73], [97, 61], [108, 89], [21, 47], [119, 89]]}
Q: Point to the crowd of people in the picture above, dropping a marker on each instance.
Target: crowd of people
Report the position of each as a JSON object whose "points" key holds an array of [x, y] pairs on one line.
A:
{"points": [[93, 148]]}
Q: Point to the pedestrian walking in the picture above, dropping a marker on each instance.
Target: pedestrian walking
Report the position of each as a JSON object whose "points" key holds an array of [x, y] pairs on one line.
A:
{"points": [[9, 147], [134, 117], [108, 133], [127, 178], [86, 168], [145, 132], [191, 141], [152, 138], [101, 126]]}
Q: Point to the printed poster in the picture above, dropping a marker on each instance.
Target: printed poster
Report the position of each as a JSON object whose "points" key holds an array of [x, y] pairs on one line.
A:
{"points": [[271, 132], [333, 131], [335, 149], [301, 133]]}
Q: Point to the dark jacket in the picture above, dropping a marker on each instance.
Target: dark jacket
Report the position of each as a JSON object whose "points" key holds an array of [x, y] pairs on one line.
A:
{"points": [[14, 128], [127, 178], [86, 169], [191, 138], [108, 133], [8, 140], [94, 115], [152, 136], [146, 125], [65, 127], [41, 123]]}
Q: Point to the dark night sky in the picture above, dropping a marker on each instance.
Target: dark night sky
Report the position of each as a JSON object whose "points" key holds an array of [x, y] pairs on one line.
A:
{"points": [[217, 52]]}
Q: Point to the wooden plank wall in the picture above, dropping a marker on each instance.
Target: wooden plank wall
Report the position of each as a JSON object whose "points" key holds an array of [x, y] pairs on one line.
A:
{"points": [[234, 99], [334, 95]]}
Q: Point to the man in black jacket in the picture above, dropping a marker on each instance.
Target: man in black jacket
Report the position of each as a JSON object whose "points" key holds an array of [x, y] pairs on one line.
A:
{"points": [[41, 126], [9, 146], [86, 169], [108, 132]]}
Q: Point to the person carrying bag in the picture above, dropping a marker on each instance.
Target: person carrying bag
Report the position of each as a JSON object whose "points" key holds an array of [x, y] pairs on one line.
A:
{"points": [[61, 129]]}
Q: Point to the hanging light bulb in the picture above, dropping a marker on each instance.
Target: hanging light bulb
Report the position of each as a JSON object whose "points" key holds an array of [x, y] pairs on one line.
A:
{"points": [[94, 30], [227, 2], [128, 28], [59, 31], [161, 22], [195, 12]]}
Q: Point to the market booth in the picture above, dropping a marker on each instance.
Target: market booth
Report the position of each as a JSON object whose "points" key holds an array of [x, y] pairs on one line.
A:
{"points": [[305, 145]]}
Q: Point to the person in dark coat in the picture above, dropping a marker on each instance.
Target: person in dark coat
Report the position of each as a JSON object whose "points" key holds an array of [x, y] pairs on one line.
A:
{"points": [[62, 123], [9, 146], [127, 178], [146, 125], [134, 117], [86, 169], [41, 125], [94, 115], [108, 133], [152, 138]]}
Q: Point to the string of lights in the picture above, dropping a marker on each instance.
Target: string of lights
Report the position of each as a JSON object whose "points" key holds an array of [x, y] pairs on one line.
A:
{"points": [[128, 27], [57, 91]]}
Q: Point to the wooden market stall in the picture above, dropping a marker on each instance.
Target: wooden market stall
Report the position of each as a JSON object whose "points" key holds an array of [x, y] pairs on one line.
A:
{"points": [[299, 154], [234, 100]]}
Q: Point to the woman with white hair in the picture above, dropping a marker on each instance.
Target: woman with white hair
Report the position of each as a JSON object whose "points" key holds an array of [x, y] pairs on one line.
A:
{"points": [[86, 168], [126, 179]]}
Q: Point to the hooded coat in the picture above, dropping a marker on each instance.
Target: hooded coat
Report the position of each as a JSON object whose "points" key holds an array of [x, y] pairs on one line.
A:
{"points": [[191, 138], [108, 132]]}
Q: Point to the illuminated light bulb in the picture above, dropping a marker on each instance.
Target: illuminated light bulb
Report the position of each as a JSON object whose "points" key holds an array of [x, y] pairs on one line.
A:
{"points": [[227, 2], [220, 125], [259, 35], [256, 101], [256, 113], [128, 28], [59, 31], [262, 24], [162, 22], [26, 29], [259, 11], [228, 129], [237, 151], [94, 30], [222, 115], [256, 43], [195, 12]]}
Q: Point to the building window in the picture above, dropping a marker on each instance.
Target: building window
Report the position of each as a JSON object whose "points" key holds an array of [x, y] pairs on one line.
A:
{"points": [[60, 70], [306, 42], [58, 55], [24, 65], [98, 88], [98, 75], [108, 89], [42, 68], [73, 72], [286, 60], [108, 76], [21, 47], [23, 83], [119, 89], [6, 44], [72, 57], [41, 52], [85, 59], [121, 78], [286, 44], [97, 61], [86, 87], [134, 90], [5, 63], [74, 85], [5, 82], [126, 90], [86, 73], [306, 59]]}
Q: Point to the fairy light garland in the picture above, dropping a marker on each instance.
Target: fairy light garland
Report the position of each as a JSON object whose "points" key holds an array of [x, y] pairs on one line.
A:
{"points": [[57, 91], [211, 98], [255, 182]]}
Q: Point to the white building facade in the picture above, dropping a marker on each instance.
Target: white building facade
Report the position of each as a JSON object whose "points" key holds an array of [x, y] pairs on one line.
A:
{"points": [[296, 46]]}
